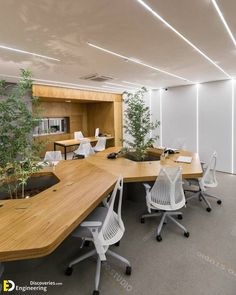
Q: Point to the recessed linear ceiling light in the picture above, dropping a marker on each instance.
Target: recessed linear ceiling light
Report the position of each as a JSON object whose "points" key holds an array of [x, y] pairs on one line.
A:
{"points": [[131, 83], [114, 88], [27, 52], [137, 62], [147, 7], [120, 85], [224, 21]]}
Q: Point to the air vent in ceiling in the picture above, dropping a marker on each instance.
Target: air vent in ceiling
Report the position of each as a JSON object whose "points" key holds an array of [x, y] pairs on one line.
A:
{"points": [[96, 78]]}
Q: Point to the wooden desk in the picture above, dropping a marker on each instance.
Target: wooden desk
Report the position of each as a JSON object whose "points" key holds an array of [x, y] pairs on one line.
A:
{"points": [[35, 227], [144, 171], [73, 142]]}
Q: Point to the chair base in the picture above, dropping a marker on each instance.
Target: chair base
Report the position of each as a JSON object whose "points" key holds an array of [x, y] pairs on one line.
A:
{"points": [[69, 270], [165, 215], [202, 196]]}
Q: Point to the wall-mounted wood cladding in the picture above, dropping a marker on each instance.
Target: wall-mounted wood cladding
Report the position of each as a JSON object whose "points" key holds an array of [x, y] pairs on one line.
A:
{"points": [[77, 114], [87, 111], [73, 94]]}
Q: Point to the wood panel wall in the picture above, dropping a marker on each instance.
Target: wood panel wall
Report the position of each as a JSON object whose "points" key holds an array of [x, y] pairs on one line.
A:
{"points": [[86, 111], [77, 114], [73, 94]]}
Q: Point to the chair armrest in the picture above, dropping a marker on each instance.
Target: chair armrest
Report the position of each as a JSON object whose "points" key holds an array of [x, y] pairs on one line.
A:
{"points": [[147, 186], [91, 223]]}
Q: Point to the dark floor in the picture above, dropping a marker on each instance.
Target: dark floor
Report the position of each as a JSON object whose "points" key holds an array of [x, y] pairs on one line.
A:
{"points": [[203, 264]]}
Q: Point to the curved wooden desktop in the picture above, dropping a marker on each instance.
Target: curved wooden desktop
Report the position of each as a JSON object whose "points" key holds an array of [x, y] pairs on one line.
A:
{"points": [[34, 227], [144, 171]]}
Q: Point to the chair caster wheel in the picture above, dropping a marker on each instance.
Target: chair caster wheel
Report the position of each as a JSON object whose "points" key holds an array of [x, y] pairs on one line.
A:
{"points": [[95, 292], [180, 217], [208, 209], [69, 271], [128, 270], [186, 234], [159, 238], [142, 220], [86, 243], [117, 244], [219, 202]]}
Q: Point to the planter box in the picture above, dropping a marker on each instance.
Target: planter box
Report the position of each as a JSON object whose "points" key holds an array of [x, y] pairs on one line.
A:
{"points": [[35, 183]]}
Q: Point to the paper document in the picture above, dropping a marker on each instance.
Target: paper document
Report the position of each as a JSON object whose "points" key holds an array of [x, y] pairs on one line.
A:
{"points": [[183, 159]]}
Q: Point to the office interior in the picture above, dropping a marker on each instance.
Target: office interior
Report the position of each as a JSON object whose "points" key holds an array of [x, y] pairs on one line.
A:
{"points": [[101, 222]]}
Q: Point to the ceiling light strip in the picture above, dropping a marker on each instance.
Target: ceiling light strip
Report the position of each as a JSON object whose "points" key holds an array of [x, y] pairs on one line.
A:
{"points": [[137, 62], [27, 52], [131, 83], [147, 7], [120, 85], [224, 21]]}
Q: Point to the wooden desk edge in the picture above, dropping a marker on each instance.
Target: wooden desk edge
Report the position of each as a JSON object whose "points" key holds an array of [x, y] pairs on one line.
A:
{"points": [[49, 248]]}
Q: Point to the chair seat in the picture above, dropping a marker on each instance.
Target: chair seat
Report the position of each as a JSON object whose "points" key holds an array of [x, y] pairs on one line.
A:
{"points": [[98, 149], [99, 214], [156, 206]]}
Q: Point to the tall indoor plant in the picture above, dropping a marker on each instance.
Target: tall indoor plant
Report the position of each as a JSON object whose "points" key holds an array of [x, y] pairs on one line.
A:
{"points": [[19, 154], [138, 124]]}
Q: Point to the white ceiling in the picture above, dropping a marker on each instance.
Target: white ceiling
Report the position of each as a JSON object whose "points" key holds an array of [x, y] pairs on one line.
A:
{"points": [[62, 28]]}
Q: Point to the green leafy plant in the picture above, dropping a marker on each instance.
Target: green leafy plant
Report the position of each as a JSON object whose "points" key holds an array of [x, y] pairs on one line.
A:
{"points": [[19, 154], [138, 124]]}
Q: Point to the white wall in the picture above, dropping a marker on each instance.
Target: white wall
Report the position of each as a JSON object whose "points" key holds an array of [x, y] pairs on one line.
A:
{"points": [[215, 122], [200, 116], [233, 151], [179, 117]]}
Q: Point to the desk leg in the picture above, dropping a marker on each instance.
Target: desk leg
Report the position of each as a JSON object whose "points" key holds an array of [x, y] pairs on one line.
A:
{"points": [[55, 146], [65, 152]]}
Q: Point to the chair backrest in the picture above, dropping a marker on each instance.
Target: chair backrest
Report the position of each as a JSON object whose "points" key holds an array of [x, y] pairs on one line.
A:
{"points": [[209, 175], [167, 190], [78, 135], [85, 149], [53, 157], [113, 227], [96, 132], [101, 144]]}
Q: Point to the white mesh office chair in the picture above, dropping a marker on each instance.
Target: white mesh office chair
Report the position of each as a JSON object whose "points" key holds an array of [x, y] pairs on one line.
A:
{"points": [[85, 149], [206, 181], [78, 135], [100, 145], [96, 132], [166, 196], [53, 157], [104, 227]]}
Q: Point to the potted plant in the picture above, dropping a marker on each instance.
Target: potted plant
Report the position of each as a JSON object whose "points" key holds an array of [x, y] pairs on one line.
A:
{"points": [[138, 126], [19, 154]]}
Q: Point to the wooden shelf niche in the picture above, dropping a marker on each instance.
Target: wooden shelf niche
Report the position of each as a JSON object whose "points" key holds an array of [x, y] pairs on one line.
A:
{"points": [[86, 111]]}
